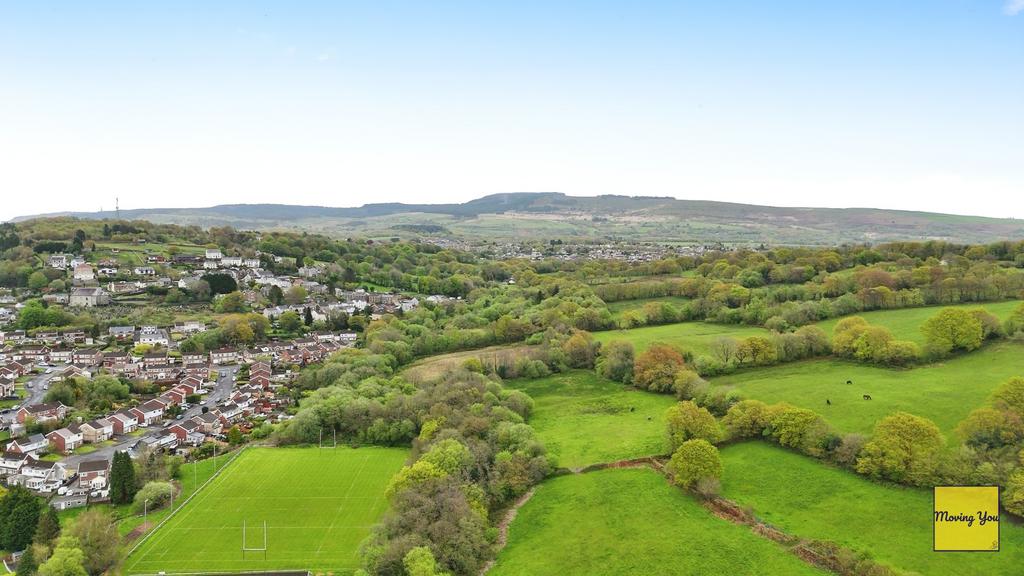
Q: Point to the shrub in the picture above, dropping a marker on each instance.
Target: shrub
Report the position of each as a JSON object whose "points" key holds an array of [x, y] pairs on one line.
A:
{"points": [[157, 493], [615, 361], [686, 421], [905, 448], [656, 368]]}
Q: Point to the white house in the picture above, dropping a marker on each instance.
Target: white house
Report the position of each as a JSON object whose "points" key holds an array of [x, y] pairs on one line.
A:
{"points": [[213, 254], [84, 272]]}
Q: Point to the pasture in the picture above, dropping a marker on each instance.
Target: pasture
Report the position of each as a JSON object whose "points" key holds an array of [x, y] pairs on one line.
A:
{"points": [[944, 392], [585, 419], [622, 306], [811, 499], [318, 506], [631, 521], [906, 323], [696, 337]]}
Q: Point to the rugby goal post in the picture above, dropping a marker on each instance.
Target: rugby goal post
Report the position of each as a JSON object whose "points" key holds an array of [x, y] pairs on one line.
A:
{"points": [[334, 439], [247, 548]]}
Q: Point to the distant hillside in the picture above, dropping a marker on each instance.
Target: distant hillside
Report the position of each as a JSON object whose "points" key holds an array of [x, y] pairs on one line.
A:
{"points": [[555, 215]]}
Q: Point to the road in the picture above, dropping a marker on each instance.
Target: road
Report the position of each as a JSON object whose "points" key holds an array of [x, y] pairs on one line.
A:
{"points": [[36, 392]]}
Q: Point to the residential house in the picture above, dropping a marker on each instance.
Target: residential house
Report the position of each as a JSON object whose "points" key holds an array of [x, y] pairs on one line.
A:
{"points": [[149, 412], [93, 474], [153, 336], [210, 265], [232, 261], [66, 439], [87, 357], [224, 356], [144, 271], [124, 422], [188, 432], [59, 261], [32, 445], [98, 430], [213, 254], [45, 412], [84, 273], [69, 501], [7, 386], [122, 333], [210, 423], [40, 475], [11, 462]]}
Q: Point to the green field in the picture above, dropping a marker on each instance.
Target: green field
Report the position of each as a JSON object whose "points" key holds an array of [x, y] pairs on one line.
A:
{"points": [[621, 307], [894, 524], [944, 392], [318, 506], [693, 336], [585, 419], [905, 323], [631, 521]]}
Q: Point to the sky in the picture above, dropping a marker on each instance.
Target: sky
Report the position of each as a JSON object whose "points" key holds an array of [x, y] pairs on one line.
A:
{"points": [[915, 104]]}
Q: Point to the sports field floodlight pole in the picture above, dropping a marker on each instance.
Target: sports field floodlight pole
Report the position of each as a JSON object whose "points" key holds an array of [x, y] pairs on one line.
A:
{"points": [[145, 513]]}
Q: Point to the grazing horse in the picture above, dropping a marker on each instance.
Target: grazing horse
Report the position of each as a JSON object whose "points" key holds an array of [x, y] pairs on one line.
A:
{"points": [[827, 401], [867, 396]]}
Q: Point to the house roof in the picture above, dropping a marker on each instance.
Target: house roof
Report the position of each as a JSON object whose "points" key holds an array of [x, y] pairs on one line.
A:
{"points": [[93, 466], [44, 407]]}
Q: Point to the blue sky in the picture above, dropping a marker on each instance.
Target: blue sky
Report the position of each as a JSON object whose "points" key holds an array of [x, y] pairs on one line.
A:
{"points": [[913, 104]]}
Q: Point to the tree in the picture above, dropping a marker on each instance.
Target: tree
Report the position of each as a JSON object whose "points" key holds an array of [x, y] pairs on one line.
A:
{"points": [[230, 302], [1013, 496], [990, 428], [220, 283], [295, 295], [1010, 396], [48, 528], [235, 436], [694, 461], [19, 517], [96, 531], [122, 479], [27, 564], [746, 419], [615, 361], [687, 421], [580, 350], [37, 281], [905, 448], [275, 295], [420, 561], [952, 329], [655, 369], [290, 321], [67, 559], [1015, 323], [307, 316]]}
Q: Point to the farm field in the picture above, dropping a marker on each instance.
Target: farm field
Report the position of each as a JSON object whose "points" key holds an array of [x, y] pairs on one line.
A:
{"points": [[631, 521], [318, 506], [814, 500], [944, 392], [906, 323], [693, 336], [621, 307], [585, 419]]}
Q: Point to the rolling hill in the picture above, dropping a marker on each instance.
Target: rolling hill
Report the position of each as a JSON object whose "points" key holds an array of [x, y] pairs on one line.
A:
{"points": [[546, 215]]}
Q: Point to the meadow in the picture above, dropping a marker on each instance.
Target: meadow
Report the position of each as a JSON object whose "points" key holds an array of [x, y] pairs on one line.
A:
{"points": [[631, 521], [318, 506], [944, 392], [621, 307], [585, 419], [696, 337], [906, 323], [810, 499]]}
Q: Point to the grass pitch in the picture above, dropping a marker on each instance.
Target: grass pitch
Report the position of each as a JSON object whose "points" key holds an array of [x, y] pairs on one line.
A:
{"points": [[318, 506], [632, 522], [893, 524], [585, 419], [944, 392]]}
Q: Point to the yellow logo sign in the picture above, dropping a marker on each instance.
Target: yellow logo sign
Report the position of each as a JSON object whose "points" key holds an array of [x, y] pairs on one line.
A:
{"points": [[966, 519]]}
